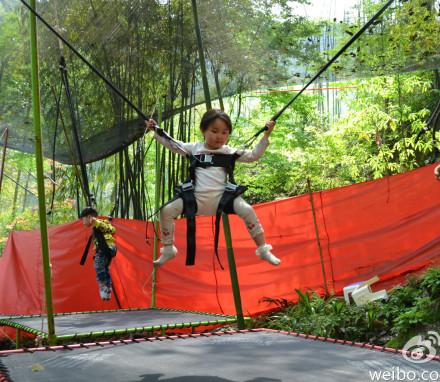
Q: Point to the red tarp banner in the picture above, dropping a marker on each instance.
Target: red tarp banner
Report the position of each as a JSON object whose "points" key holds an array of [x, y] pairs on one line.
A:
{"points": [[388, 227]]}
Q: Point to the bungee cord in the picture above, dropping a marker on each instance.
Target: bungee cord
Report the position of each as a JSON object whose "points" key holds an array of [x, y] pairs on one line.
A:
{"points": [[324, 68]]}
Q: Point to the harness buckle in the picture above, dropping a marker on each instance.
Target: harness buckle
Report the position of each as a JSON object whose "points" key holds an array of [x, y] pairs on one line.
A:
{"points": [[231, 187], [188, 186], [206, 158]]}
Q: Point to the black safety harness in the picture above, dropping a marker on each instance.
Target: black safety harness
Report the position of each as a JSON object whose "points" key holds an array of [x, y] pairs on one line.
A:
{"points": [[100, 245], [185, 191]]}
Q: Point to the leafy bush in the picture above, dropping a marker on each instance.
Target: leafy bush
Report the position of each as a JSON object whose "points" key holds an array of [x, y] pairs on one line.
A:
{"points": [[410, 309], [431, 282]]}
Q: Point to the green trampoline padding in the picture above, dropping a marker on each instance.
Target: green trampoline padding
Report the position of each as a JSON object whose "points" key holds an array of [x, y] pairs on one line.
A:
{"points": [[106, 323]]}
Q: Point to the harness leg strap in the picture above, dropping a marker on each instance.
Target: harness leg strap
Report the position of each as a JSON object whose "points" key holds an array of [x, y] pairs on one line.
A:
{"points": [[186, 190], [190, 240], [226, 205]]}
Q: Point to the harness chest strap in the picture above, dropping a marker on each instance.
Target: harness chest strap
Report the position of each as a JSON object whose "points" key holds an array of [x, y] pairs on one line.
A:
{"points": [[101, 245], [186, 192]]}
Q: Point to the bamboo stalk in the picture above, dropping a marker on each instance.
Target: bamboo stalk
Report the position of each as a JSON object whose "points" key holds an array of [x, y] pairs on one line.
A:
{"points": [[40, 176]]}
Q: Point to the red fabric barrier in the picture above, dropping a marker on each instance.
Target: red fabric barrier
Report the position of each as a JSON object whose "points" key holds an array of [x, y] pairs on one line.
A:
{"points": [[386, 227]]}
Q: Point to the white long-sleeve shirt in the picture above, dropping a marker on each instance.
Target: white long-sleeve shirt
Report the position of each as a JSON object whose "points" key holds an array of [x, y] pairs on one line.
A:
{"points": [[212, 179]]}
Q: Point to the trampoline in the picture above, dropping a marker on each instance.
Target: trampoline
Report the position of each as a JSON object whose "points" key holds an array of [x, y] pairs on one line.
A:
{"points": [[259, 355], [117, 322]]}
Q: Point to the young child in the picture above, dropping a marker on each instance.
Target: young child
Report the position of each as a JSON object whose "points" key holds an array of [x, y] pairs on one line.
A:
{"points": [[210, 182], [105, 248]]}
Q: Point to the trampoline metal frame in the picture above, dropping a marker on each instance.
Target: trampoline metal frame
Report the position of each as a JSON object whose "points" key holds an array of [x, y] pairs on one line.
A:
{"points": [[383, 349], [221, 320]]}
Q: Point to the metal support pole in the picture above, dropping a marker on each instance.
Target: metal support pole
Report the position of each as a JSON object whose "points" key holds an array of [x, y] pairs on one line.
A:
{"points": [[156, 222], [318, 240], [233, 272], [17, 338], [225, 218], [40, 176]]}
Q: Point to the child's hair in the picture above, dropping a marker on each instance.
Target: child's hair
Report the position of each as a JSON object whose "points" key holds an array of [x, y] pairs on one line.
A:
{"points": [[211, 115], [88, 211]]}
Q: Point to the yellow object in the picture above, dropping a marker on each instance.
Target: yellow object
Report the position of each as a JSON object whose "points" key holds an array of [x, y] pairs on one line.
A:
{"points": [[37, 367], [107, 229]]}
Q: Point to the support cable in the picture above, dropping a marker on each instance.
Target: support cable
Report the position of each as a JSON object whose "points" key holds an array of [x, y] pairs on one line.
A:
{"points": [[54, 142], [74, 119], [20, 185], [325, 67]]}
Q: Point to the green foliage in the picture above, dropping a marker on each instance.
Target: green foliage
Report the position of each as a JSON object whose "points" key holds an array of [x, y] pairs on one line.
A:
{"points": [[431, 283], [414, 317], [401, 40], [370, 130], [374, 137], [327, 318], [304, 301], [14, 67], [410, 309]]}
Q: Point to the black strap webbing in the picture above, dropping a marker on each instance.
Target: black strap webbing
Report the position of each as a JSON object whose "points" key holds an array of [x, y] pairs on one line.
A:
{"points": [[86, 251], [190, 240], [225, 205], [215, 160], [186, 192], [101, 243]]}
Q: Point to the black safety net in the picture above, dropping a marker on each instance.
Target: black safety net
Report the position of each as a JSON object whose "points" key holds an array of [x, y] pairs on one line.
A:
{"points": [[148, 50]]}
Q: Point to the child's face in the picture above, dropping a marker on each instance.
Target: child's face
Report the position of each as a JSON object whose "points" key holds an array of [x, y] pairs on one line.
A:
{"points": [[217, 134], [88, 220]]}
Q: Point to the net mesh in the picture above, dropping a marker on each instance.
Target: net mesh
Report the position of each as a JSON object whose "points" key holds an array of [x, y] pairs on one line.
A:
{"points": [[148, 50]]}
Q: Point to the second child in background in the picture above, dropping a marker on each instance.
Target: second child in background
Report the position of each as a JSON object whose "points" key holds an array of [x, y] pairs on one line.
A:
{"points": [[104, 242]]}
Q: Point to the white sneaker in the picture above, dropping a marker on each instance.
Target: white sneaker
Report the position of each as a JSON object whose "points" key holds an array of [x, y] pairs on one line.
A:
{"points": [[108, 293], [168, 252], [105, 293], [263, 252]]}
